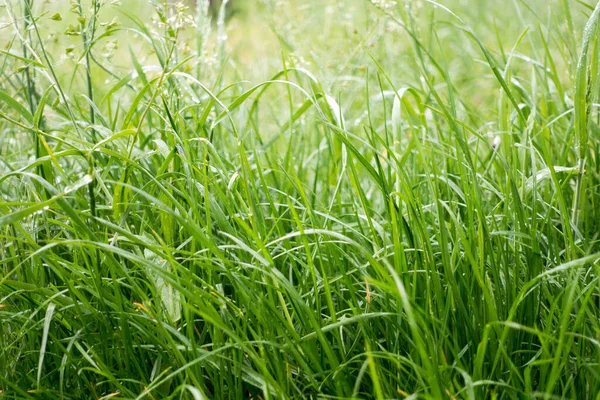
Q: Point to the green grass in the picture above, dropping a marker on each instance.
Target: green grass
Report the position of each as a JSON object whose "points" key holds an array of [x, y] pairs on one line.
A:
{"points": [[316, 199]]}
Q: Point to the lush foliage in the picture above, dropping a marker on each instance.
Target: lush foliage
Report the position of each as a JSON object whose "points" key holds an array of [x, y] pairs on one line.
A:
{"points": [[299, 199]]}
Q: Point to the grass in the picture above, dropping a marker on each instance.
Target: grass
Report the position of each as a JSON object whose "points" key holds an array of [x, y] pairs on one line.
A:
{"points": [[320, 199]]}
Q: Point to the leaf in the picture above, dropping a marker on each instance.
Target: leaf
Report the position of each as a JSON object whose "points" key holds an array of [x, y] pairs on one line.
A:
{"points": [[162, 147], [169, 295], [396, 117], [134, 104], [79, 184], [25, 60], [118, 135], [39, 113], [196, 393], [166, 219], [15, 105], [546, 173], [581, 85], [25, 212], [121, 194], [139, 70], [47, 320], [45, 148], [336, 111]]}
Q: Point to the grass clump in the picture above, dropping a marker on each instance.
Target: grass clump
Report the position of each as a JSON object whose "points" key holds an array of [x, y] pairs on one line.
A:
{"points": [[332, 199]]}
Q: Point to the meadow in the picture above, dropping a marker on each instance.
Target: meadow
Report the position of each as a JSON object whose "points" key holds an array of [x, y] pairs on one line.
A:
{"points": [[319, 199]]}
